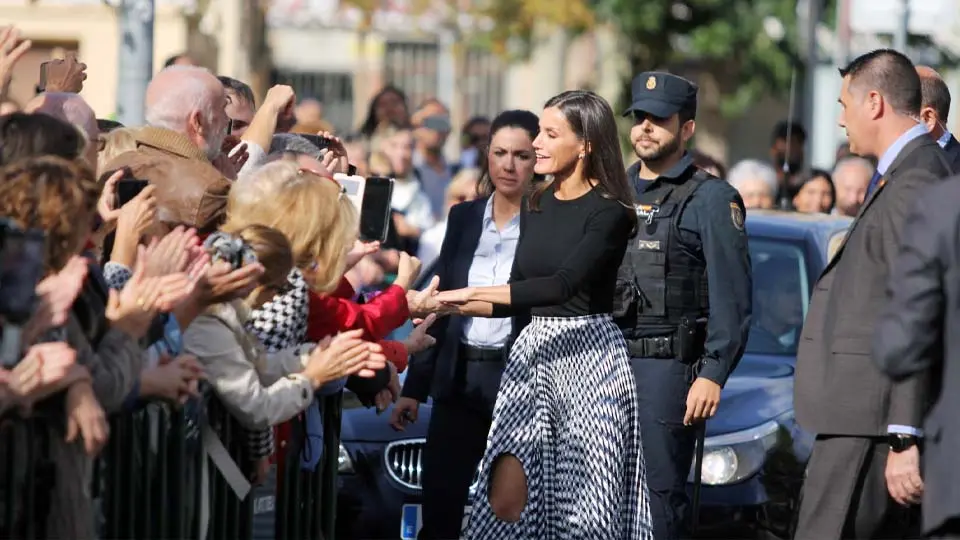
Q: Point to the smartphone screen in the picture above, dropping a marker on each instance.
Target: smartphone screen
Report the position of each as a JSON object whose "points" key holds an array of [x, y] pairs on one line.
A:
{"points": [[21, 268], [354, 186], [375, 209], [128, 188]]}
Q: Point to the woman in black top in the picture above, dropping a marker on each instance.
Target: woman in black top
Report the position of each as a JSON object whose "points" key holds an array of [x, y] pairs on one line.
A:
{"points": [[563, 457], [462, 371]]}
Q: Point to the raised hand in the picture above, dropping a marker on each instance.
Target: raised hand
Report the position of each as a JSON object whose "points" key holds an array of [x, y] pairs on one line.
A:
{"points": [[66, 75], [360, 250], [108, 200], [12, 50], [408, 270]]}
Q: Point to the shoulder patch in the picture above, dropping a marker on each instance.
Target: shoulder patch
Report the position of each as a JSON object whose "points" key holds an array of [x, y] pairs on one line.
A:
{"points": [[736, 216]]}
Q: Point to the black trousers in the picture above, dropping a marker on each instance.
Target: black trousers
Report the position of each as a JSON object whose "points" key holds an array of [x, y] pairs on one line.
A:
{"points": [[456, 440], [668, 445]]}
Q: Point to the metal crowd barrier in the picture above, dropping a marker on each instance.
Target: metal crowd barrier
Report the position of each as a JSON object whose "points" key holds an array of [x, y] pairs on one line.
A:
{"points": [[147, 482]]}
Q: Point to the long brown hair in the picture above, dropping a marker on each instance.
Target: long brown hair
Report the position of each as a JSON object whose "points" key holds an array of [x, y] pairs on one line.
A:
{"points": [[591, 119]]}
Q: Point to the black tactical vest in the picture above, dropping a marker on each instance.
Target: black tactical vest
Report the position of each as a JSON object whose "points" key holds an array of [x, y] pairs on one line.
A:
{"points": [[660, 282]]}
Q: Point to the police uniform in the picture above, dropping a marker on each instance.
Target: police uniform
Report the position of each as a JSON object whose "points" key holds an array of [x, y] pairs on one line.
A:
{"points": [[684, 295]]}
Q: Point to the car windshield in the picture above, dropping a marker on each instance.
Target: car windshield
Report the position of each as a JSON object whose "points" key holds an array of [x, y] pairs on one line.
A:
{"points": [[781, 292]]}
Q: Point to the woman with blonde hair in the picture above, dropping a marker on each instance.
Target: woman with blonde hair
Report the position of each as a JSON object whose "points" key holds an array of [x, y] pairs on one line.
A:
{"points": [[313, 212]]}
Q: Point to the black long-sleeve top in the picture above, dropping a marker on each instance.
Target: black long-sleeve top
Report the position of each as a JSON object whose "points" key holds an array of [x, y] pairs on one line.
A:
{"points": [[568, 255]]}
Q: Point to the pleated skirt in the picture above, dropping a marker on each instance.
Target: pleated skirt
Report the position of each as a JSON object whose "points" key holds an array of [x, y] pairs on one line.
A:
{"points": [[567, 409]]}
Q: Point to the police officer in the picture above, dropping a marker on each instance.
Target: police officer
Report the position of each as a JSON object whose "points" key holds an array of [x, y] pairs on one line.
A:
{"points": [[684, 289]]}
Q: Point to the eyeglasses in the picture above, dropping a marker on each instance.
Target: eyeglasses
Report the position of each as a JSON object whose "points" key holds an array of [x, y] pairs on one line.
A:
{"points": [[306, 170]]}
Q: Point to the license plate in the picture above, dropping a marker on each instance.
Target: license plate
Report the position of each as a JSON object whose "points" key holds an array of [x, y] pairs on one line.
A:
{"points": [[411, 520]]}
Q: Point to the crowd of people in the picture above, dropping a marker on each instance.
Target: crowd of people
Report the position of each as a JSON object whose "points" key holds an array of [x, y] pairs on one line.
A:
{"points": [[571, 299]]}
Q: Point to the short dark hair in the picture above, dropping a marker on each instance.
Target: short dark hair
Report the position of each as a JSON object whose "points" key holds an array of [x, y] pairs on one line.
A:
{"points": [[892, 74], [25, 136], [687, 112], [788, 129], [239, 88], [936, 95]]}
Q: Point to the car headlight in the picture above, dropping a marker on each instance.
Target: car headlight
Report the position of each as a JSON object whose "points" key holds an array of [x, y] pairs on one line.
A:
{"points": [[734, 457], [344, 463]]}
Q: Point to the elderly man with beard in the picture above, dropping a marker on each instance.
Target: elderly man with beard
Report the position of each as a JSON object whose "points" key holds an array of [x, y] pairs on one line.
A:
{"points": [[186, 125], [684, 290]]}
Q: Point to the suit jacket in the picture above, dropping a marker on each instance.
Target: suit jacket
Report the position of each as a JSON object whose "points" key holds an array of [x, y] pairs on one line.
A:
{"points": [[434, 372], [911, 338], [838, 390], [952, 150]]}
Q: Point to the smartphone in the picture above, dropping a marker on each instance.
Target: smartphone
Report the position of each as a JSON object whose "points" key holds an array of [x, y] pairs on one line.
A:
{"points": [[21, 268], [42, 86], [320, 142], [355, 186], [375, 209], [106, 126], [127, 189]]}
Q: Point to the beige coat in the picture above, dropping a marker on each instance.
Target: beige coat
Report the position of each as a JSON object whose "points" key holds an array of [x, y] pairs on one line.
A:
{"points": [[258, 389]]}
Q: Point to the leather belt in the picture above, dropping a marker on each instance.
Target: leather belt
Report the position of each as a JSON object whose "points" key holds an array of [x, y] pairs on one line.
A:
{"points": [[652, 347], [481, 354]]}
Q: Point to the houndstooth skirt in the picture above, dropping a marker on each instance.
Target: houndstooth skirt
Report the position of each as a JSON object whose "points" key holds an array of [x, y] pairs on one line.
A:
{"points": [[567, 409]]}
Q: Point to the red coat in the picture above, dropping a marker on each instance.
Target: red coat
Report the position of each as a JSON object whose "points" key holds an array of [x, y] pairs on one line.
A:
{"points": [[329, 314]]}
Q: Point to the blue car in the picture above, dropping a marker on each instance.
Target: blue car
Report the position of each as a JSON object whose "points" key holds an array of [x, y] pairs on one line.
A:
{"points": [[754, 452]]}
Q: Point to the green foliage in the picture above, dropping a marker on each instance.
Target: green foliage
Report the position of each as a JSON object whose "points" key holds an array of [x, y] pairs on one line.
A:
{"points": [[725, 37]]}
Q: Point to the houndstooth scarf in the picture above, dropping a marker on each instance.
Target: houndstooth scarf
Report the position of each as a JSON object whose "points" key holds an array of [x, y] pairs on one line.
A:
{"points": [[281, 323]]}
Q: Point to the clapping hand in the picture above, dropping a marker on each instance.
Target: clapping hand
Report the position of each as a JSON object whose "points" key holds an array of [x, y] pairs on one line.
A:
{"points": [[56, 295], [46, 368]]}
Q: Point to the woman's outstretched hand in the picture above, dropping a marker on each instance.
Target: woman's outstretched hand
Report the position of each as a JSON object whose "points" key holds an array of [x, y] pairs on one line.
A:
{"points": [[456, 297]]}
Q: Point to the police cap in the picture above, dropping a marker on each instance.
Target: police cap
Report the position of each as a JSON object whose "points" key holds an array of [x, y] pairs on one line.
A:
{"points": [[661, 94]]}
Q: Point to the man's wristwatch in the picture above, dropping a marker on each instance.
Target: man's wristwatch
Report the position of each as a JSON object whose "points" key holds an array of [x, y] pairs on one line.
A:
{"points": [[900, 442]]}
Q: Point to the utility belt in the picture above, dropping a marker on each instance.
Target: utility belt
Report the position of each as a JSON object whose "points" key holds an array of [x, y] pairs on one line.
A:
{"points": [[684, 344]]}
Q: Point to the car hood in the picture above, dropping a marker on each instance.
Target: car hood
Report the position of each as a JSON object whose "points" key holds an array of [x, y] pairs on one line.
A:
{"points": [[759, 390], [361, 424]]}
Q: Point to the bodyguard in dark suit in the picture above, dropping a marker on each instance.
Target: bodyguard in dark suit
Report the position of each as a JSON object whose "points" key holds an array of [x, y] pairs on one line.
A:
{"points": [[462, 372], [867, 426], [912, 338], [934, 111]]}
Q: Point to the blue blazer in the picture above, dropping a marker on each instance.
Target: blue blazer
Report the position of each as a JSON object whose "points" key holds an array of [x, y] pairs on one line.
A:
{"points": [[433, 372]]}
